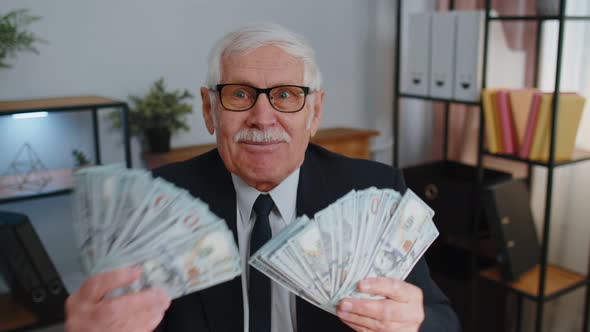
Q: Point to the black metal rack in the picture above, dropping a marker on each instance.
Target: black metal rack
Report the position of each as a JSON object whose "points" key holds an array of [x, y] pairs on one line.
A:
{"points": [[69, 104], [537, 280]]}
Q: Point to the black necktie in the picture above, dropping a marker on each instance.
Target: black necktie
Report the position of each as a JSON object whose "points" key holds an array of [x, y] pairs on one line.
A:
{"points": [[259, 288]]}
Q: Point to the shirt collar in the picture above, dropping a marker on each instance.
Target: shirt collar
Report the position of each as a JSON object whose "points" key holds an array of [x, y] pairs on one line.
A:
{"points": [[284, 196]]}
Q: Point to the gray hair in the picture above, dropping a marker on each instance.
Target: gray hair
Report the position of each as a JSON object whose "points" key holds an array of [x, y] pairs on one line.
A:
{"points": [[250, 37], [253, 36]]}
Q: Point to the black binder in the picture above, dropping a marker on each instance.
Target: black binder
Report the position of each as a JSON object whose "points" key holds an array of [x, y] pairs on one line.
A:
{"points": [[448, 188], [508, 211], [19, 270], [33, 279]]}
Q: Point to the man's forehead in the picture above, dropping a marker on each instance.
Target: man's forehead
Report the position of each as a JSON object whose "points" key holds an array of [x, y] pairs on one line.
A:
{"points": [[263, 58], [261, 64]]}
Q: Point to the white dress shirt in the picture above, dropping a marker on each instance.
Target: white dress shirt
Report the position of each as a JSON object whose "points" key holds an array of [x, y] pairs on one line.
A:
{"points": [[283, 318]]}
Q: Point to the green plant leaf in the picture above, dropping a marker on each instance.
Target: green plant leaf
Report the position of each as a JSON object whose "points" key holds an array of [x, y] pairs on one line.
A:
{"points": [[159, 108], [14, 38]]}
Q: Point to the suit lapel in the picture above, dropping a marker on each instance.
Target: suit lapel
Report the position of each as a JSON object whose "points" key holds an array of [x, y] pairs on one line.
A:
{"points": [[312, 191], [225, 300], [222, 194]]}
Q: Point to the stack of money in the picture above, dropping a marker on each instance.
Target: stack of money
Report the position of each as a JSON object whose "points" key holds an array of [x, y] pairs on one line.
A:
{"points": [[126, 217], [366, 233]]}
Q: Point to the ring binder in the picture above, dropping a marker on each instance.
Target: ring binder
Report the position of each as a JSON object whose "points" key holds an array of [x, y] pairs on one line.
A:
{"points": [[508, 213], [33, 279]]}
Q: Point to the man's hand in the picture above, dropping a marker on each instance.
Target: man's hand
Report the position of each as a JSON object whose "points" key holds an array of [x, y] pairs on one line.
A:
{"points": [[402, 310], [89, 310]]}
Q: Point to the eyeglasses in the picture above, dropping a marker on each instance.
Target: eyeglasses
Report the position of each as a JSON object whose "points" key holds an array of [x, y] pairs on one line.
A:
{"points": [[242, 97]]}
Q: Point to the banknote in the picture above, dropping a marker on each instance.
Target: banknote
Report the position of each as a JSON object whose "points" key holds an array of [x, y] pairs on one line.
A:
{"points": [[189, 266], [399, 237], [308, 245], [365, 233], [126, 217]]}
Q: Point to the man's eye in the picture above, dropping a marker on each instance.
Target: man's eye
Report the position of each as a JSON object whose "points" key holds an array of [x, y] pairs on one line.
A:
{"points": [[240, 94], [284, 94]]}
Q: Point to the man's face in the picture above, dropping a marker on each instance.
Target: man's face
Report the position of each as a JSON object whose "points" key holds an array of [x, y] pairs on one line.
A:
{"points": [[262, 165]]}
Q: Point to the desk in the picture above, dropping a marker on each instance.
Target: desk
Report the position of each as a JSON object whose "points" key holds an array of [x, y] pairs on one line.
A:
{"points": [[350, 142]]}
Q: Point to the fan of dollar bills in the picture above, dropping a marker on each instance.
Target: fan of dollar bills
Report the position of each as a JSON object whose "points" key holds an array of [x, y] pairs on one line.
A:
{"points": [[126, 217], [366, 233]]}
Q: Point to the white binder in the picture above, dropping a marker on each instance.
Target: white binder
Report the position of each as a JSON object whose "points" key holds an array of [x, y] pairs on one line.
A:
{"points": [[442, 55], [470, 30], [417, 69]]}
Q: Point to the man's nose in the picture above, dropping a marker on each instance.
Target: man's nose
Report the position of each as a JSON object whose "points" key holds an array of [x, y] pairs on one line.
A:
{"points": [[262, 113]]}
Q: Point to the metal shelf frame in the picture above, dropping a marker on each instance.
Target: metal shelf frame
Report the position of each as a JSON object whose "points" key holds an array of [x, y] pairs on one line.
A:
{"points": [[551, 164], [92, 104]]}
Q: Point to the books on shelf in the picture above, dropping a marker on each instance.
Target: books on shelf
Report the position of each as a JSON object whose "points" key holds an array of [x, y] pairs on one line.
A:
{"points": [[518, 122], [569, 115], [541, 126], [533, 114], [520, 103], [491, 126], [505, 116]]}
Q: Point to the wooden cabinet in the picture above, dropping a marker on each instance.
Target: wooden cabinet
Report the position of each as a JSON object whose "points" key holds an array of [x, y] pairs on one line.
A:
{"points": [[347, 141], [350, 142]]}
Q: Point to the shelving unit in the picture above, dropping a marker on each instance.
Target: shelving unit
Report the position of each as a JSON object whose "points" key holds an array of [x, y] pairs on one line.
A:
{"points": [[577, 156], [61, 183], [547, 279], [559, 281], [15, 317]]}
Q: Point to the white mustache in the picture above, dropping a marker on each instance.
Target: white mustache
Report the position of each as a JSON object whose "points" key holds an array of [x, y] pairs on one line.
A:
{"points": [[253, 135]]}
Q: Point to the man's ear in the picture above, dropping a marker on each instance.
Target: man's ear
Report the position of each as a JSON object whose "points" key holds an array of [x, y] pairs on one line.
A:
{"points": [[318, 104], [207, 115]]}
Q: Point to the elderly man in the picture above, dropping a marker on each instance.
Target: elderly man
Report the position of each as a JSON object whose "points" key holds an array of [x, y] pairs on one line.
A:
{"points": [[263, 101]]}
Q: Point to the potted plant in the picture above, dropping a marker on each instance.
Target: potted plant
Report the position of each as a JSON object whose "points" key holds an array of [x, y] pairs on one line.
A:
{"points": [[156, 116], [80, 159], [13, 37]]}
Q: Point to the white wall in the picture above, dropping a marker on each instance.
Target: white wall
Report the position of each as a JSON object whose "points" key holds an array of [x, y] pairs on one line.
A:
{"points": [[116, 48]]}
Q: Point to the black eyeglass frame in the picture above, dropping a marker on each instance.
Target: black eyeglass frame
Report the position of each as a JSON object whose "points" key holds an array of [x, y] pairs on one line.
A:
{"points": [[260, 91]]}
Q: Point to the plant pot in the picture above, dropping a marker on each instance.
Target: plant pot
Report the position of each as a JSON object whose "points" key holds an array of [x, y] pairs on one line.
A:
{"points": [[158, 139]]}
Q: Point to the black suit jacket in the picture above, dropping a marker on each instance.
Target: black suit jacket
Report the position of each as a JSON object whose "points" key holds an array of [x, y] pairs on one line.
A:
{"points": [[323, 178]]}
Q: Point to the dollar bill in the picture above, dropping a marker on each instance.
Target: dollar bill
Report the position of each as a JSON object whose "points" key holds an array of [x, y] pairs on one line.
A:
{"points": [[365, 233], [189, 266], [126, 217], [400, 236]]}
